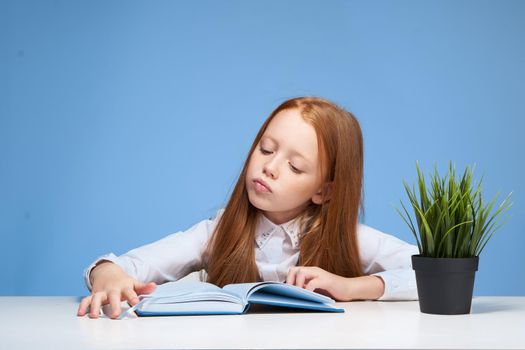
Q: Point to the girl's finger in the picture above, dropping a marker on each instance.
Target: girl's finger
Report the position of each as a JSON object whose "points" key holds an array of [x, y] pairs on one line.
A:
{"points": [[82, 308], [114, 303], [290, 278], [145, 288], [313, 284], [96, 302], [301, 278], [130, 295]]}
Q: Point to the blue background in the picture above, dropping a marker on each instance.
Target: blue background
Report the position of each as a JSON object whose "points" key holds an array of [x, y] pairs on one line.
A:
{"points": [[122, 122]]}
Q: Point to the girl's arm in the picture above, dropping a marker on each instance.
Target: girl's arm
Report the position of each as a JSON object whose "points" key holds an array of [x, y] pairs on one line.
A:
{"points": [[340, 288], [112, 279], [387, 266], [167, 259], [390, 258]]}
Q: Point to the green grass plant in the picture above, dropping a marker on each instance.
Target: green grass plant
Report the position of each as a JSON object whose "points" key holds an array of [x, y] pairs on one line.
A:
{"points": [[451, 219]]}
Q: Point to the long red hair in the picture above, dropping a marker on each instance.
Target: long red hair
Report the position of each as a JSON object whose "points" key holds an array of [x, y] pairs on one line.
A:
{"points": [[328, 236]]}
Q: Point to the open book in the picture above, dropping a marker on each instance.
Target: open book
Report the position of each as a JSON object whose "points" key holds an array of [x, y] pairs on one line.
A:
{"points": [[201, 298]]}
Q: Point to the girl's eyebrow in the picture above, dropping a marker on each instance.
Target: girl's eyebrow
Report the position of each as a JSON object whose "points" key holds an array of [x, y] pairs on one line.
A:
{"points": [[294, 152]]}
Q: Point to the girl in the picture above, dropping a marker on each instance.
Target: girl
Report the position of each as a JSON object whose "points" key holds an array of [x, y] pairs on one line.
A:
{"points": [[292, 217]]}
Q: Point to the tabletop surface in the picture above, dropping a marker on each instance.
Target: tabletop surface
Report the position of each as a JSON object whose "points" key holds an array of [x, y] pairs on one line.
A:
{"points": [[51, 322]]}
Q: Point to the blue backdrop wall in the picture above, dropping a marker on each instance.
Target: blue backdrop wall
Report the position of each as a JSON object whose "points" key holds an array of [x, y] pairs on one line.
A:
{"points": [[122, 122]]}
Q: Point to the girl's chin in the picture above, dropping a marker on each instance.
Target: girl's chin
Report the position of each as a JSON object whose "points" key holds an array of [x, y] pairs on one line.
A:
{"points": [[259, 203]]}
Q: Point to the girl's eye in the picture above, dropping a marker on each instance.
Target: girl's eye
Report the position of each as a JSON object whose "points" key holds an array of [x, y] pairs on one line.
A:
{"points": [[295, 170]]}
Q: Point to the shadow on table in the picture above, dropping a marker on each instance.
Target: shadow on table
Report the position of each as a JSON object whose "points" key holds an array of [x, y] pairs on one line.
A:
{"points": [[269, 309], [484, 307]]}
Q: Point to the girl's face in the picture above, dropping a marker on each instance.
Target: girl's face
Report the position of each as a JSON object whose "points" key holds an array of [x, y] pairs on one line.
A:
{"points": [[286, 163]]}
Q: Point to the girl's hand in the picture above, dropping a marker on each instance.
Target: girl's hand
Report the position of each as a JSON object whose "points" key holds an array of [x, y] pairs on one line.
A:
{"points": [[111, 285], [337, 287], [316, 279]]}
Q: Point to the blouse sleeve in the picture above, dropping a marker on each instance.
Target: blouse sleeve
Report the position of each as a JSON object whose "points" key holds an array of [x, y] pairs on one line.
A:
{"points": [[390, 258], [167, 259]]}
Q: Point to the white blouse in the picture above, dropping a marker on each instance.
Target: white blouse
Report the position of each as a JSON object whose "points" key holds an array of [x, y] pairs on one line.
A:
{"points": [[277, 249]]}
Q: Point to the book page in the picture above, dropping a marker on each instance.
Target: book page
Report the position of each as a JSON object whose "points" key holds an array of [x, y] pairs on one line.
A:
{"points": [[279, 288], [241, 289], [291, 291], [173, 292]]}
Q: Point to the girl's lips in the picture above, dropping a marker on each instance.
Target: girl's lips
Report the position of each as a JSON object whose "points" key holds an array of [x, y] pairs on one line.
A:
{"points": [[261, 186]]}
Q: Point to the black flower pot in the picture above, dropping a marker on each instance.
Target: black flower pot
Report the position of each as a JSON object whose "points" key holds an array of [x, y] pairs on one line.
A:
{"points": [[445, 285]]}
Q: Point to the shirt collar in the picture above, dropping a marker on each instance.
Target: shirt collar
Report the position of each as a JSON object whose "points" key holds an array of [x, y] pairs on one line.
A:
{"points": [[266, 228]]}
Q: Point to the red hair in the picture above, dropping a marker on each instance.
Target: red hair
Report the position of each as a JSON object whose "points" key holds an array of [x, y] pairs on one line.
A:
{"points": [[328, 236]]}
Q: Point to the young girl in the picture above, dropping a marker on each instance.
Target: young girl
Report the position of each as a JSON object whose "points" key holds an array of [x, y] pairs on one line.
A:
{"points": [[292, 217]]}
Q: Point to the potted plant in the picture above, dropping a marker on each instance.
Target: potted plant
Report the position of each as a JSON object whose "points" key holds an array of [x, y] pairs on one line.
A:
{"points": [[452, 226]]}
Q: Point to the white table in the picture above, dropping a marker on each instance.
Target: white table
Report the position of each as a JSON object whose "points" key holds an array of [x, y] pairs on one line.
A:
{"points": [[51, 323]]}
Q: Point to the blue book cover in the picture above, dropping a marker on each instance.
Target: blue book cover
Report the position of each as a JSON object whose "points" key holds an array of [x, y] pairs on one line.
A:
{"points": [[201, 298]]}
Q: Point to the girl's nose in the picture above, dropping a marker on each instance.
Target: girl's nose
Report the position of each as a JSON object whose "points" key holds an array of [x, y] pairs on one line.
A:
{"points": [[270, 169]]}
